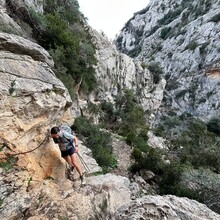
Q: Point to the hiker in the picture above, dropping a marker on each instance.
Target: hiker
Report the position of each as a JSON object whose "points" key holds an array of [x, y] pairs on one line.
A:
{"points": [[68, 144]]}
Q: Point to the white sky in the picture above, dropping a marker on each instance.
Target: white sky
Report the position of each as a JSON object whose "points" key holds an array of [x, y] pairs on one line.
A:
{"points": [[110, 16]]}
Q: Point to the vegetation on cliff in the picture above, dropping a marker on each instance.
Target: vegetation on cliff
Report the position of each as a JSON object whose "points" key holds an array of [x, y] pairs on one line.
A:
{"points": [[63, 31]]}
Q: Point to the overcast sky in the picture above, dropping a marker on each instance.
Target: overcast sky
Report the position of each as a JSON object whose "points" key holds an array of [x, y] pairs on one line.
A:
{"points": [[110, 16]]}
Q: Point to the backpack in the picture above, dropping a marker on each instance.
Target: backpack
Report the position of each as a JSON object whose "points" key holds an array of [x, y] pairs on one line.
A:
{"points": [[66, 128]]}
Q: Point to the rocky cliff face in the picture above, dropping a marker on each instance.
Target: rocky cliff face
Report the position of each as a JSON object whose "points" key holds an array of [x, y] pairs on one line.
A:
{"points": [[183, 38], [31, 96], [117, 71], [168, 207], [32, 173]]}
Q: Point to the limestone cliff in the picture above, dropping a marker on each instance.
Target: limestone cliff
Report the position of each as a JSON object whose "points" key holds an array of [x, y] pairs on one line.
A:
{"points": [[32, 173], [183, 39], [31, 97], [117, 72]]}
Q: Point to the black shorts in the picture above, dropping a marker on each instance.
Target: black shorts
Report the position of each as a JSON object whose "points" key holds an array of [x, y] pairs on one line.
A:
{"points": [[68, 152]]}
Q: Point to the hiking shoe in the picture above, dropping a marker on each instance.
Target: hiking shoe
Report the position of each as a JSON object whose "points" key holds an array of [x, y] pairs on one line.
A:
{"points": [[82, 178]]}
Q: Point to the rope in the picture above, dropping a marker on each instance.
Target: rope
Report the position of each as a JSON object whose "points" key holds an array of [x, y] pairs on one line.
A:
{"points": [[46, 139]]}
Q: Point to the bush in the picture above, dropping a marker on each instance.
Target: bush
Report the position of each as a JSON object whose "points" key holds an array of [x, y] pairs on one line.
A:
{"points": [[207, 186], [193, 146], [213, 125], [159, 131], [202, 49], [126, 118], [8, 164], [193, 142], [170, 178], [215, 18], [170, 54], [141, 144], [192, 46], [170, 16], [151, 160], [165, 32], [109, 112], [84, 127], [157, 72], [172, 122], [132, 123], [98, 141], [181, 93], [93, 108], [198, 146], [62, 30]]}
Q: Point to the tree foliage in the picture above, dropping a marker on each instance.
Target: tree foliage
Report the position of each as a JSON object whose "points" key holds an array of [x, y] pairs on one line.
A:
{"points": [[198, 146], [98, 141], [63, 31], [213, 125], [126, 118], [194, 145], [156, 71]]}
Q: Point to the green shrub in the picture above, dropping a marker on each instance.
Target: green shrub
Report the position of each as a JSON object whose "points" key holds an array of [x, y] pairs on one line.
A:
{"points": [[38, 19], [202, 100], [62, 218], [192, 91], [170, 54], [181, 93], [157, 72], [143, 65], [159, 131], [93, 108], [208, 4], [62, 30], [140, 143], [170, 16], [151, 160], [170, 178], [198, 146], [165, 33], [192, 46], [84, 126], [209, 94], [193, 141], [136, 51], [207, 184], [172, 122], [8, 164], [193, 146], [98, 141], [126, 118], [213, 125], [12, 89], [172, 84], [8, 29], [215, 18], [202, 49], [163, 7]]}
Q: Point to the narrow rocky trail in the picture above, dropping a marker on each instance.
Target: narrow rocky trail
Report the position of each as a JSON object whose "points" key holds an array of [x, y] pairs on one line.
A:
{"points": [[123, 153]]}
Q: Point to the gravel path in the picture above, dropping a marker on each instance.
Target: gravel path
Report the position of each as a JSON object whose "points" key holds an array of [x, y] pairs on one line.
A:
{"points": [[122, 152]]}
